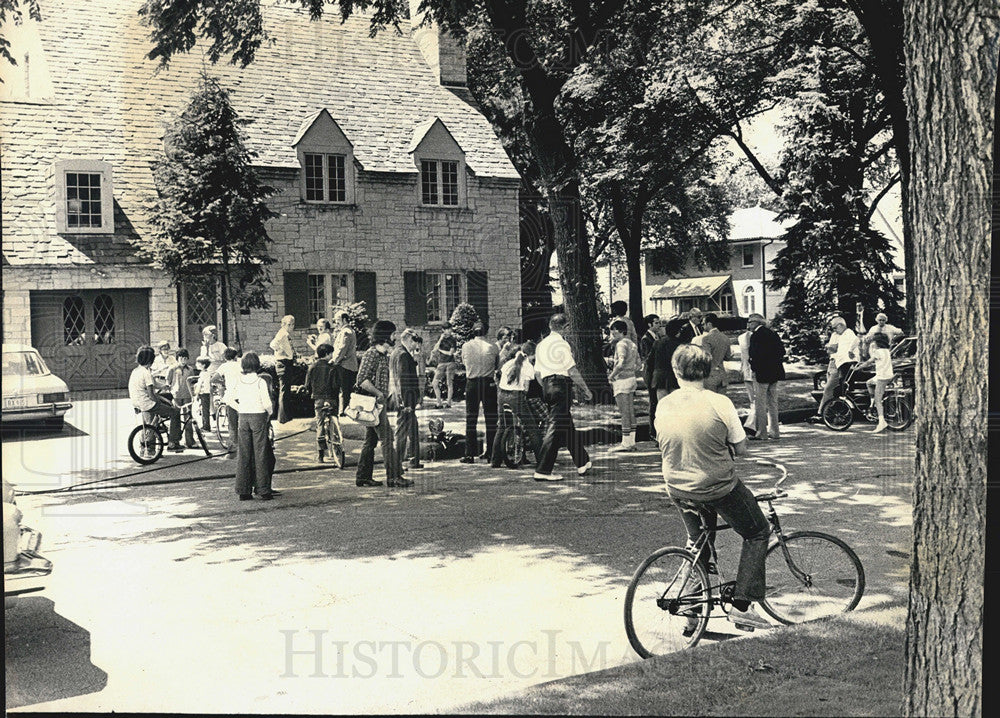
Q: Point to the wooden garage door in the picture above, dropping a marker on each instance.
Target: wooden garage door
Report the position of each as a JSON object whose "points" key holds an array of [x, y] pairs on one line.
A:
{"points": [[89, 337]]}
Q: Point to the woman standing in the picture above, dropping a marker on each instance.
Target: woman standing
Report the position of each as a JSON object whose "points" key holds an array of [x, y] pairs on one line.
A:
{"points": [[253, 400], [284, 360], [515, 376]]}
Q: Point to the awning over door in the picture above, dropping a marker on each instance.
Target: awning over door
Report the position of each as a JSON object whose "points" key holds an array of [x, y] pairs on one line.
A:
{"points": [[691, 287]]}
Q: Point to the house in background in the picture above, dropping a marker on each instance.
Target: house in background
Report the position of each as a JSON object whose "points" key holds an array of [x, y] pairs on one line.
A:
{"points": [[392, 188], [740, 289]]}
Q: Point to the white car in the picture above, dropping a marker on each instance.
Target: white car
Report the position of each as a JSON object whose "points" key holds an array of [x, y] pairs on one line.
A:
{"points": [[31, 393], [24, 569]]}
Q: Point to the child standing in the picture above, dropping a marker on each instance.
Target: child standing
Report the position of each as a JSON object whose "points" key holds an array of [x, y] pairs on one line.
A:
{"points": [[203, 391], [177, 381], [623, 384], [225, 380], [253, 398], [883, 375], [320, 384]]}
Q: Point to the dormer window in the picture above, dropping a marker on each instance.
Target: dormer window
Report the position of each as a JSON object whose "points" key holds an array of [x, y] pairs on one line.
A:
{"points": [[440, 162], [326, 157], [439, 182], [85, 204], [326, 177]]}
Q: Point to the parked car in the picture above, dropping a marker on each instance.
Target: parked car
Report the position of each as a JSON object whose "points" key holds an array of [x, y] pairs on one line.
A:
{"points": [[31, 393], [904, 364], [24, 569]]}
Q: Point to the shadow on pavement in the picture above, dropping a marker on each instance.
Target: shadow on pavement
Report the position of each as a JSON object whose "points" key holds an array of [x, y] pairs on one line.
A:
{"points": [[47, 656]]}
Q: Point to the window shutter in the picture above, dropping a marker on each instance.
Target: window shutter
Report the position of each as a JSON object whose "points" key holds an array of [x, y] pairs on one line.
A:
{"points": [[415, 297], [297, 297], [364, 291], [478, 294]]}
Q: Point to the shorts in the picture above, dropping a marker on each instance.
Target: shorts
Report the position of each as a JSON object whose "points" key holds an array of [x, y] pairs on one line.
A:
{"points": [[623, 386]]}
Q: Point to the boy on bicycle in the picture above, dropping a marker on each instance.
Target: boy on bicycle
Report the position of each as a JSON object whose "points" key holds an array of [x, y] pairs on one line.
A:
{"points": [[177, 383], [142, 392], [320, 384]]}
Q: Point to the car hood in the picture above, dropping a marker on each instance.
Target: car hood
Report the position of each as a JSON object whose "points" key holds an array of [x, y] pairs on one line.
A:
{"points": [[44, 384]]}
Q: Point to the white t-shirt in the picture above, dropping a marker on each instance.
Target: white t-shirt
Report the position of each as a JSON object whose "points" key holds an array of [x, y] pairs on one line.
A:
{"points": [[553, 356], [138, 380], [251, 396], [847, 348], [230, 371], [883, 363], [527, 374]]}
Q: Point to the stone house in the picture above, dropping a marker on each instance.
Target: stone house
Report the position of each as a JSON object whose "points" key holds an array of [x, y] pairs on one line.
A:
{"points": [[392, 188]]}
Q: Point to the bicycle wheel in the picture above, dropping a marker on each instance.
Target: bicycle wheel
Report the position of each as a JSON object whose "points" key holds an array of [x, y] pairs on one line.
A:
{"points": [[512, 442], [222, 432], [145, 444], [334, 441], [201, 438], [838, 415], [667, 603], [898, 412], [819, 576]]}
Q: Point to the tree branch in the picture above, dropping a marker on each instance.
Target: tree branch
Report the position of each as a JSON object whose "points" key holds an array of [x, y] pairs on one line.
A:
{"points": [[771, 182], [878, 198]]}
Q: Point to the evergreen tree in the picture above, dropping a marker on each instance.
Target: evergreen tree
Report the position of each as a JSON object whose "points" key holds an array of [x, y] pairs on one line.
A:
{"points": [[209, 217], [462, 319]]}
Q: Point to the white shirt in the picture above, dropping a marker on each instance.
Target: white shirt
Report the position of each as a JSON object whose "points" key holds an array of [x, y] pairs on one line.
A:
{"points": [[527, 374], [847, 348], [251, 396], [230, 371], [883, 363], [744, 342], [889, 330], [282, 345], [162, 364], [138, 380], [553, 356], [216, 354]]}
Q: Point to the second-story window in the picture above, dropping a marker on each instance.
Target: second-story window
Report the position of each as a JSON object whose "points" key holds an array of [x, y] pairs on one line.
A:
{"points": [[326, 177], [748, 256], [439, 182]]}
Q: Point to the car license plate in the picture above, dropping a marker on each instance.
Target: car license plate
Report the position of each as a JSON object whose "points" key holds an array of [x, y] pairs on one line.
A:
{"points": [[15, 402]]}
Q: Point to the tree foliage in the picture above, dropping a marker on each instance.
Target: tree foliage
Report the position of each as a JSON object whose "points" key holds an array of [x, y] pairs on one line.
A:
{"points": [[15, 10], [210, 213], [463, 318]]}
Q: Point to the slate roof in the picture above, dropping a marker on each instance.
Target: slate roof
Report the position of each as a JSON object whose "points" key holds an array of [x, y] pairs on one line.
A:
{"points": [[109, 103]]}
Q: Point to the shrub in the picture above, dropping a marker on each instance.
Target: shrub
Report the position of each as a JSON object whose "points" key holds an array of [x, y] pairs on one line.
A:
{"points": [[462, 319]]}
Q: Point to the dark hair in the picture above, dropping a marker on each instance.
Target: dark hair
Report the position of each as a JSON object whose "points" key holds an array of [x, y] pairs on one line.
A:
{"points": [[145, 355], [619, 308], [619, 326], [324, 350], [505, 331], [203, 360], [650, 318], [514, 375], [250, 363], [182, 352], [674, 326], [691, 363], [711, 317], [479, 329], [230, 354], [881, 340], [382, 331]]}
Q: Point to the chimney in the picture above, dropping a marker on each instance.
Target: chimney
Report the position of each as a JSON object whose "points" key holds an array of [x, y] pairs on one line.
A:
{"points": [[443, 53]]}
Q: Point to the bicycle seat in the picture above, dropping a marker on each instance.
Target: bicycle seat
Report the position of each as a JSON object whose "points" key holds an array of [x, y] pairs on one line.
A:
{"points": [[772, 496]]}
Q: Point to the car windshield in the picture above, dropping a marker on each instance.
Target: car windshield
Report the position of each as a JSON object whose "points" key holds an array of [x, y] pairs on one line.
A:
{"points": [[23, 364]]}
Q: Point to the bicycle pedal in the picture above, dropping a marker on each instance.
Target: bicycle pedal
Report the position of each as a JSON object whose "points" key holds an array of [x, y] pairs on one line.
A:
{"points": [[744, 627]]}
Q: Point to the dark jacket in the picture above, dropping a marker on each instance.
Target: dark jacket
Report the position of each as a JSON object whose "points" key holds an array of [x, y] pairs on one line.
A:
{"points": [[766, 353], [658, 361], [646, 342], [404, 369], [319, 381]]}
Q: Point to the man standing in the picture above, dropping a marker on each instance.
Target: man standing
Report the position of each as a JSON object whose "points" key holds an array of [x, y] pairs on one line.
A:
{"points": [[212, 349], [717, 344], [284, 358], [403, 368], [692, 328], [654, 330], [556, 370], [480, 358], [767, 354], [844, 352], [344, 360], [373, 379]]}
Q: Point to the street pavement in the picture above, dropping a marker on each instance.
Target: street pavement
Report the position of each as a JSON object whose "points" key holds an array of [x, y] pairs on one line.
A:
{"points": [[171, 595]]}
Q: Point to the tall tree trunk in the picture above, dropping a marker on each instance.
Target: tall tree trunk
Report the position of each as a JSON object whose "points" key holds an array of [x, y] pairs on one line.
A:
{"points": [[951, 63]]}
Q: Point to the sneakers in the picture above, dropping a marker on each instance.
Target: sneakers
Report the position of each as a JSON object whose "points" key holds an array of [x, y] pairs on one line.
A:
{"points": [[747, 620], [547, 477], [690, 627], [585, 468]]}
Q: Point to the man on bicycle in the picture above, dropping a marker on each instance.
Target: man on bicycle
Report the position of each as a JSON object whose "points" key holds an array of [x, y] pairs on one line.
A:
{"points": [[700, 434], [320, 382], [142, 392]]}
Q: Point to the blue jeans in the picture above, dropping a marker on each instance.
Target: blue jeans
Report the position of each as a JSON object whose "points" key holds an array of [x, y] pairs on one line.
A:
{"points": [[741, 511]]}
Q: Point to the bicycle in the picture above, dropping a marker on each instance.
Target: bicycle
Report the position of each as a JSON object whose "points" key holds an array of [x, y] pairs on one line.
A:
{"points": [[146, 441], [331, 437], [809, 575], [514, 439], [838, 413]]}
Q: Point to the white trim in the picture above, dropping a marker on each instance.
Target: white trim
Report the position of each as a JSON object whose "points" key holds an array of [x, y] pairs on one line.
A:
{"points": [[60, 169]]}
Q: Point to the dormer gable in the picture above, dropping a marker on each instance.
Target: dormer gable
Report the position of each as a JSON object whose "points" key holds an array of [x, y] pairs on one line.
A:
{"points": [[440, 163], [326, 158], [433, 138]]}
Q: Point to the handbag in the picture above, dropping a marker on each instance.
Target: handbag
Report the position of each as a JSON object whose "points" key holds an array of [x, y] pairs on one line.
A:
{"points": [[363, 409]]}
